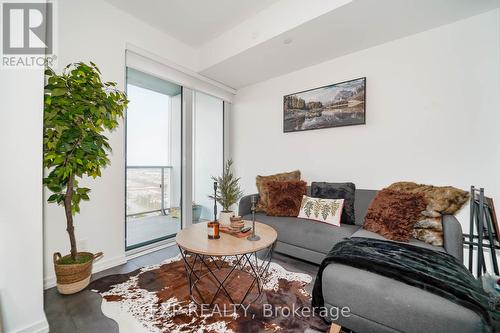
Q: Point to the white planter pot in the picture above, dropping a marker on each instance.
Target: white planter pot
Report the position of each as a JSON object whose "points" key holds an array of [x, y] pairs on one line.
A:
{"points": [[225, 218]]}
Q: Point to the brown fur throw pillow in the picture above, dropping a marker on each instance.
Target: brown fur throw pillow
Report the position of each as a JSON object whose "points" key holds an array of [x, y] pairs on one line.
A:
{"points": [[433, 223], [429, 236], [261, 182], [393, 214], [285, 197], [440, 201], [429, 230]]}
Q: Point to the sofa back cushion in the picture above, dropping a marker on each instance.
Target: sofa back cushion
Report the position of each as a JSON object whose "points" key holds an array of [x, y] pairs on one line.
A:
{"points": [[362, 201], [346, 191]]}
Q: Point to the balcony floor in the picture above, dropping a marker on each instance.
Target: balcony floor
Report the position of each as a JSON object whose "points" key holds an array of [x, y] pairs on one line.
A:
{"points": [[145, 229]]}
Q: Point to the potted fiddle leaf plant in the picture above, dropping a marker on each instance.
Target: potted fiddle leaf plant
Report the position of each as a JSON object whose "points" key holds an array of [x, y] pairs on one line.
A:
{"points": [[228, 193], [78, 109]]}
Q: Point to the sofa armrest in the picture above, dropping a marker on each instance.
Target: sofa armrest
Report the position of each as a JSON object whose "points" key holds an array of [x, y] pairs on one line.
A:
{"points": [[245, 206], [453, 239]]}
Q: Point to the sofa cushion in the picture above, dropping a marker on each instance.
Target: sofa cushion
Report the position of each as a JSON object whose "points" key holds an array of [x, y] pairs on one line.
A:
{"points": [[344, 191], [311, 235], [361, 203], [383, 301], [284, 197], [369, 234]]}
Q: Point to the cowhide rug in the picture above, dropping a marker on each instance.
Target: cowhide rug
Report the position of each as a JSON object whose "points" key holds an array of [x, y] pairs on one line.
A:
{"points": [[156, 299]]}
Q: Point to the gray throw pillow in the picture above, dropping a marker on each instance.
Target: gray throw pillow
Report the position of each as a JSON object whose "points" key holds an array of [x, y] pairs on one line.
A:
{"points": [[344, 191]]}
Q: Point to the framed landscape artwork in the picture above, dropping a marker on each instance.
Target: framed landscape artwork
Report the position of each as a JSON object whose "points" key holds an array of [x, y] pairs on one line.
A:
{"points": [[339, 104]]}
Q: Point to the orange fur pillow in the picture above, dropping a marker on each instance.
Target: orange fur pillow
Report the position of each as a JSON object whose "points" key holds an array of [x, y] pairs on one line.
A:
{"points": [[393, 214], [261, 182], [284, 198]]}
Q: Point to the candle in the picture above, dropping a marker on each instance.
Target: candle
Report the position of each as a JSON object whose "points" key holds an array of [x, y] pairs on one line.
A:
{"points": [[213, 230]]}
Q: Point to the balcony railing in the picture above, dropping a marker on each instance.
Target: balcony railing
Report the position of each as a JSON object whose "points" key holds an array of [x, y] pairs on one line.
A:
{"points": [[149, 190]]}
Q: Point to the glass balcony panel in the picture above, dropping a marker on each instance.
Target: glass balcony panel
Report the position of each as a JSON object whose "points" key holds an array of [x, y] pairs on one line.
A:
{"points": [[143, 190], [148, 216]]}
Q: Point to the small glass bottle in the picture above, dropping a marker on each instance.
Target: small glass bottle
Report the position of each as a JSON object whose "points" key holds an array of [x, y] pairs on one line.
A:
{"points": [[213, 229]]}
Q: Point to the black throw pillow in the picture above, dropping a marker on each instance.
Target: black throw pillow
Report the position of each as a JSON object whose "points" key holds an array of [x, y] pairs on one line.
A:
{"points": [[344, 191]]}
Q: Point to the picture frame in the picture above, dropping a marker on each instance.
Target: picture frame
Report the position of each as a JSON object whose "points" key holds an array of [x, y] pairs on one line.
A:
{"points": [[334, 105]]}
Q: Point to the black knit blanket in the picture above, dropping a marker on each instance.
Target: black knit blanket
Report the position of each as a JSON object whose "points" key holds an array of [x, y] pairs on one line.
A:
{"points": [[435, 272]]}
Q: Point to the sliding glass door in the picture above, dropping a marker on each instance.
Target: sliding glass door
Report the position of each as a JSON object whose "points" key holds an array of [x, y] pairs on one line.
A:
{"points": [[174, 145], [153, 159]]}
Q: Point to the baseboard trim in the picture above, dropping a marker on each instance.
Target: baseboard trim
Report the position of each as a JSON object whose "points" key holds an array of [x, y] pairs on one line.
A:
{"points": [[41, 326], [143, 251], [101, 265]]}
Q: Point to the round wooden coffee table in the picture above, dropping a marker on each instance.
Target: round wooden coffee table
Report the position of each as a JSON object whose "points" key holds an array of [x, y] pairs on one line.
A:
{"points": [[229, 269]]}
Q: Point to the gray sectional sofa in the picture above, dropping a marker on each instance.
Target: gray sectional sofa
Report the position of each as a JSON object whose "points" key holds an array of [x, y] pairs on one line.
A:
{"points": [[376, 303]]}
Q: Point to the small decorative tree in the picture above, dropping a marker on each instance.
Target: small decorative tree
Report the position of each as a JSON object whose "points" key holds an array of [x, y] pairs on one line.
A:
{"points": [[79, 107], [228, 191]]}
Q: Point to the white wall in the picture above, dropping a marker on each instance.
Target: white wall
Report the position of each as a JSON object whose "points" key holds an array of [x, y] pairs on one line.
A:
{"points": [[94, 30], [432, 116], [21, 270]]}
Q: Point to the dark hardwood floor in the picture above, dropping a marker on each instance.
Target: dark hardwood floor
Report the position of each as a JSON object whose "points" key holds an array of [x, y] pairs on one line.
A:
{"points": [[81, 312]]}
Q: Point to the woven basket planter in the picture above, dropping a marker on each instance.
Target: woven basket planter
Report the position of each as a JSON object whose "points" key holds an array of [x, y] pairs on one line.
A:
{"points": [[76, 277]]}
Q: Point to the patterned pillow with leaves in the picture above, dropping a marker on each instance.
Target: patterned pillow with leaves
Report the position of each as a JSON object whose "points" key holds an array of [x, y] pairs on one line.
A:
{"points": [[322, 210]]}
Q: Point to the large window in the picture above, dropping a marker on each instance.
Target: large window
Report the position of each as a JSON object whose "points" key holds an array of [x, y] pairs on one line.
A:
{"points": [[175, 144], [153, 159], [208, 151]]}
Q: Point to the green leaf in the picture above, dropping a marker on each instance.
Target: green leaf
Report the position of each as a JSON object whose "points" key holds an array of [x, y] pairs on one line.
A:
{"points": [[325, 210], [308, 208], [82, 190], [335, 207], [317, 207], [53, 198], [58, 92]]}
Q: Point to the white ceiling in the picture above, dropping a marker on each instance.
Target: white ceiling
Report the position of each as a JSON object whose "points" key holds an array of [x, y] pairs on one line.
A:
{"points": [[193, 22], [242, 42], [356, 26]]}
